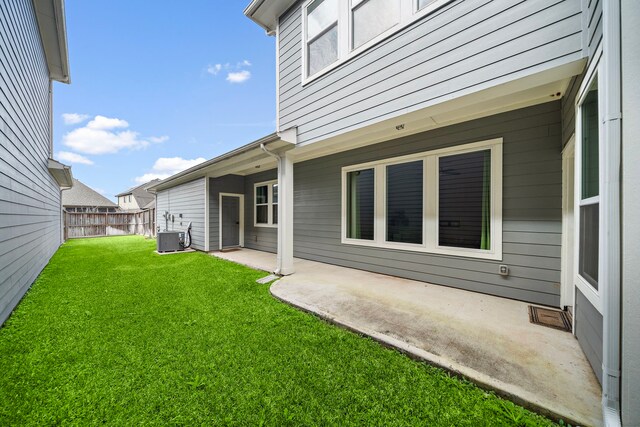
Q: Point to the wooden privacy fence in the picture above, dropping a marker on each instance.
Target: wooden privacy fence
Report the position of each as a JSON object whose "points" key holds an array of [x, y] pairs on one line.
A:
{"points": [[81, 224]]}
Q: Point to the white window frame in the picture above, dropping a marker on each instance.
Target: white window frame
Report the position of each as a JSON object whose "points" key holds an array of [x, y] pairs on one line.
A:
{"points": [[593, 295], [269, 205], [430, 202], [409, 13]]}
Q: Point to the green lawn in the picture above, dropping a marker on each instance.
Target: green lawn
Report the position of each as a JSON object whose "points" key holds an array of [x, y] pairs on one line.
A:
{"points": [[112, 333]]}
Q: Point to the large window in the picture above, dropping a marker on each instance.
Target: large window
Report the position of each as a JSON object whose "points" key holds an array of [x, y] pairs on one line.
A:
{"points": [[464, 200], [371, 18], [589, 215], [335, 30], [360, 204], [446, 201], [404, 202], [322, 34], [266, 204]]}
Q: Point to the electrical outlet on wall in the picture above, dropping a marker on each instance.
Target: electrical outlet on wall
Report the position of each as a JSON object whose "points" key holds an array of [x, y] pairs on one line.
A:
{"points": [[503, 270]]}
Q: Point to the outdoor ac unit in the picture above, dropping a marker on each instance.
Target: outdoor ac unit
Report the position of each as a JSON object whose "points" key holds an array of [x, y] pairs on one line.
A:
{"points": [[169, 241]]}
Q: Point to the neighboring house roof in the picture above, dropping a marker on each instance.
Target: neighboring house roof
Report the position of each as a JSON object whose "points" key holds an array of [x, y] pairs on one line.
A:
{"points": [[150, 205], [82, 195], [53, 32], [140, 193]]}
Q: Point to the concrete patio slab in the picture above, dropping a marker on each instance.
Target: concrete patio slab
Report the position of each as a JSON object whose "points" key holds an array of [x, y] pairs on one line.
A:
{"points": [[487, 339]]}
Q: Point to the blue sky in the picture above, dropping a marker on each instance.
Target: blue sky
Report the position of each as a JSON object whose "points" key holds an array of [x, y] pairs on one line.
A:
{"points": [[156, 85]]}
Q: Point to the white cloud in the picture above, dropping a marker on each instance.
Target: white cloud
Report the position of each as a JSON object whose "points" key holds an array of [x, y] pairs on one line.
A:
{"points": [[102, 122], [158, 139], [74, 118], [164, 167], [67, 156], [100, 136], [239, 76], [235, 74], [214, 69]]}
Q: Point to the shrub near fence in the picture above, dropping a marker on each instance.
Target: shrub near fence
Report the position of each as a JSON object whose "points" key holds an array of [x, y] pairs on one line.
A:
{"points": [[81, 224]]}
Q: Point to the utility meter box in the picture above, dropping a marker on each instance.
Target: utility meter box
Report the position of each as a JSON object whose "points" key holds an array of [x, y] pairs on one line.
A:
{"points": [[169, 241]]}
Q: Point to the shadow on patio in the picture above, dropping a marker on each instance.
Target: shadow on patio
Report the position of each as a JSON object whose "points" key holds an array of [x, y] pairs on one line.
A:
{"points": [[487, 339]]}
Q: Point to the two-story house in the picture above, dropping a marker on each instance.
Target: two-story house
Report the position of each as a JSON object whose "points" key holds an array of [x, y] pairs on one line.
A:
{"points": [[33, 54], [136, 198], [441, 140]]}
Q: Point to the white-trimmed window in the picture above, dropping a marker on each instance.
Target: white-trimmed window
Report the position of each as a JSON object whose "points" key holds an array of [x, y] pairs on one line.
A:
{"points": [[446, 201], [370, 18], [335, 30], [588, 148], [265, 212]]}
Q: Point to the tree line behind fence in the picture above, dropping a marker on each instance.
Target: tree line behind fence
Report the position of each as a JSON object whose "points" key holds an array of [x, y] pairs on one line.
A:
{"points": [[81, 224]]}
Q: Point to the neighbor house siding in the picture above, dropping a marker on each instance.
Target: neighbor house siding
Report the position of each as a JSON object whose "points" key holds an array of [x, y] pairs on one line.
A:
{"points": [[259, 238], [186, 199], [532, 203], [30, 208], [588, 324], [461, 48], [224, 184]]}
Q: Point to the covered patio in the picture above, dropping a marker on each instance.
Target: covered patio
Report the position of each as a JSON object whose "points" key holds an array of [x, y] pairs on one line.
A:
{"points": [[486, 339]]}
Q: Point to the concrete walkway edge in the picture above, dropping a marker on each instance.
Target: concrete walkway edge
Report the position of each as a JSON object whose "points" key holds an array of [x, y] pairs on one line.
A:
{"points": [[521, 397]]}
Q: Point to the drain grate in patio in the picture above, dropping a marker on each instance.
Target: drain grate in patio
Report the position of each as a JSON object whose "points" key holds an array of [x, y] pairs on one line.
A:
{"points": [[550, 318]]}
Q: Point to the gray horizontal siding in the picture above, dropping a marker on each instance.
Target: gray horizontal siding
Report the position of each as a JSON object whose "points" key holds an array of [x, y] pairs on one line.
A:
{"points": [[588, 324], [186, 199], [592, 23], [459, 47], [532, 205], [224, 184], [259, 238], [30, 208]]}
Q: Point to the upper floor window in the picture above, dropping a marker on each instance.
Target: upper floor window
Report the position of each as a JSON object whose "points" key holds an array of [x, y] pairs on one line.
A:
{"points": [[371, 18], [322, 34], [335, 30]]}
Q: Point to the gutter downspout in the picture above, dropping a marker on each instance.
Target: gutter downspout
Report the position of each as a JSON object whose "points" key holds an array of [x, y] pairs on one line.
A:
{"points": [[50, 118], [279, 254], [611, 297]]}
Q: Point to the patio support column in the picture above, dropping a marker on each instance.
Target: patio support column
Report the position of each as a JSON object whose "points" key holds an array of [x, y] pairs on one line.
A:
{"points": [[284, 260], [285, 214]]}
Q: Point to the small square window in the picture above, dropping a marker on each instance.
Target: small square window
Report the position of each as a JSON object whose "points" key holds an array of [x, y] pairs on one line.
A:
{"points": [[266, 204]]}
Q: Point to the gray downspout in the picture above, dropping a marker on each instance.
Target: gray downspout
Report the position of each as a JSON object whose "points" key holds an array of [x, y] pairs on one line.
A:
{"points": [[611, 297], [279, 254]]}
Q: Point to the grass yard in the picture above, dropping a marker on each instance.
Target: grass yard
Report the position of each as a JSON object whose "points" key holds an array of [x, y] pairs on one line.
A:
{"points": [[113, 334]]}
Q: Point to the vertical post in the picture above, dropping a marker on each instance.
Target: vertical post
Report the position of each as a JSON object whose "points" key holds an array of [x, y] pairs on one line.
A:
{"points": [[207, 243], [285, 214], [630, 397], [610, 214]]}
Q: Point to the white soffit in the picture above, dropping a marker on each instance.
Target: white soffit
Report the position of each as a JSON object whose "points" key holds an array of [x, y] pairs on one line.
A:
{"points": [[521, 93], [53, 32], [266, 12]]}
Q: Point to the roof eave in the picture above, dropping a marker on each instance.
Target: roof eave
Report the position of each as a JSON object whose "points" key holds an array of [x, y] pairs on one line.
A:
{"points": [[61, 173], [195, 169], [53, 32], [265, 13]]}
